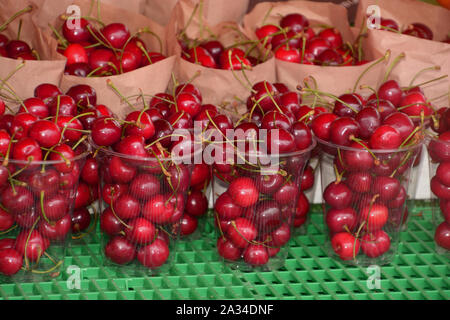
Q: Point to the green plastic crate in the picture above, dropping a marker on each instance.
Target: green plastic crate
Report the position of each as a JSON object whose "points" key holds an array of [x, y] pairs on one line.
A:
{"points": [[416, 273]]}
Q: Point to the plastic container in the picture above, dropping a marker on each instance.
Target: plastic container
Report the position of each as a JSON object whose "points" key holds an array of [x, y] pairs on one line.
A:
{"points": [[364, 200], [142, 207], [255, 207], [439, 161], [36, 206]]}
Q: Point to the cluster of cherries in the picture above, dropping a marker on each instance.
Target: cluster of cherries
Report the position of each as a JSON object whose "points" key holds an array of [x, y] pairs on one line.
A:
{"points": [[255, 214], [43, 151], [439, 151], [294, 40], [15, 48], [213, 54], [368, 197], [109, 50], [415, 29], [150, 197]]}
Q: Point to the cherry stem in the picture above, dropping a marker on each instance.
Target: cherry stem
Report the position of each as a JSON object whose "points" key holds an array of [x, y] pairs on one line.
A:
{"points": [[9, 230], [328, 95], [122, 97], [433, 68], [359, 141], [408, 155], [426, 82], [163, 169], [235, 75], [27, 263], [271, 98], [383, 58], [91, 227], [14, 16], [392, 65], [114, 212], [62, 41], [183, 31]]}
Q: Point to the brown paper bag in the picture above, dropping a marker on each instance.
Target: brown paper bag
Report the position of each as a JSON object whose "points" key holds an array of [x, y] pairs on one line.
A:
{"points": [[332, 79], [220, 87], [49, 68], [214, 11], [137, 6], [419, 53], [148, 80]]}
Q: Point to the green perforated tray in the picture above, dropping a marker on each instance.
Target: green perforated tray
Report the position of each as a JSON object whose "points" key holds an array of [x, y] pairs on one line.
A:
{"points": [[416, 273]]}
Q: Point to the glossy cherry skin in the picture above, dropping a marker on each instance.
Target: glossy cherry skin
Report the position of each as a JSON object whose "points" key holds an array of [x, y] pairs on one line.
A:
{"points": [[100, 60], [286, 193], [21, 124], [280, 141], [76, 33], [227, 249], [6, 220], [269, 184], [375, 244], [35, 246], [342, 110], [368, 119], [445, 209], [47, 181], [157, 210], [226, 208], [341, 220], [67, 106], [374, 216], [188, 224], [391, 91], [343, 130], [439, 189], [256, 255], [45, 132], [36, 107], [385, 137], [56, 231], [442, 235], [355, 160], [345, 245], [241, 232], [416, 104], [11, 261], [386, 187], [116, 34], [127, 207], [243, 192], [196, 204], [200, 174], [330, 57], [140, 232], [54, 207], [288, 54], [64, 155], [266, 216], [120, 250], [295, 22], [26, 149], [337, 195], [90, 171], [402, 122], [214, 47], [443, 173], [109, 223], [142, 124], [81, 220], [120, 171], [154, 255], [333, 36], [78, 69], [321, 125], [359, 181], [144, 186], [201, 56], [83, 95], [439, 149]]}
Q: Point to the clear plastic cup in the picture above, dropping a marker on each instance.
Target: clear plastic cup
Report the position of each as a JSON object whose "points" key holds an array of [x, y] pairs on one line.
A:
{"points": [[364, 195]]}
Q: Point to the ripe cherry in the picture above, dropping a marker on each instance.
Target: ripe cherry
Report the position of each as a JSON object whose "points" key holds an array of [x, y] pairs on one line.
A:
{"points": [[442, 235], [109, 223], [227, 249], [391, 91], [57, 230], [154, 255], [10, 261], [374, 216], [115, 34], [256, 254], [375, 244], [385, 137], [33, 243], [295, 22], [196, 204], [345, 245], [140, 231], [286, 193], [120, 250], [243, 192], [45, 132], [226, 208], [6, 220], [341, 220], [144, 186], [241, 232], [81, 220], [76, 33], [188, 224], [337, 195], [157, 210]]}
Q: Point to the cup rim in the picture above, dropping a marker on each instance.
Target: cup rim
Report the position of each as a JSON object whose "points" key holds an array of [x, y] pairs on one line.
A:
{"points": [[110, 152], [52, 162], [375, 151]]}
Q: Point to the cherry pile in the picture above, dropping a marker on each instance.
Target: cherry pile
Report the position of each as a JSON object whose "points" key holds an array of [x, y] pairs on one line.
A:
{"points": [[294, 40], [43, 149], [212, 54], [103, 51], [371, 144], [439, 152], [255, 214], [16, 48], [415, 29], [148, 197]]}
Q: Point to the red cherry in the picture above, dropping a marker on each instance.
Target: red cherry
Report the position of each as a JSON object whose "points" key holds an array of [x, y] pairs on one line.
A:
{"points": [[391, 91], [109, 223], [341, 220], [76, 32], [241, 232], [343, 130], [333, 36], [115, 34], [337, 195], [127, 207], [10, 261], [34, 243], [67, 106], [295, 22], [386, 187], [256, 255], [45, 132], [196, 204], [83, 95], [21, 124], [120, 250], [286, 193], [226, 208], [321, 125], [439, 189], [288, 54], [75, 53], [369, 119], [140, 231], [157, 210], [385, 137], [227, 249], [64, 154], [375, 244], [200, 55], [100, 60], [243, 192], [375, 217], [57, 230], [36, 107], [81, 220], [154, 255], [105, 132], [358, 158], [345, 245], [442, 235], [26, 149], [188, 225], [6, 220]]}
